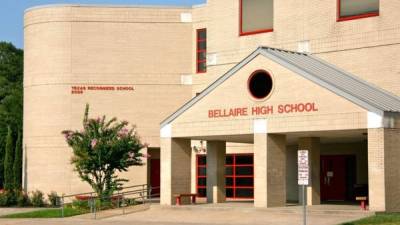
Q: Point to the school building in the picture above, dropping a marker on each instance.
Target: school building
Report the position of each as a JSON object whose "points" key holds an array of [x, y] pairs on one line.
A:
{"points": [[225, 93]]}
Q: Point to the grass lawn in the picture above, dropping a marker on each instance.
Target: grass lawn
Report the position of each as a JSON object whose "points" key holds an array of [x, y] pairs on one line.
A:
{"points": [[379, 218], [46, 213]]}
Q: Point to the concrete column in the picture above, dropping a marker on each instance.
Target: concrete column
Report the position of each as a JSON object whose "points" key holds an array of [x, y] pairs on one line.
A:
{"points": [[175, 168], [312, 144], [216, 171], [383, 169], [269, 170]]}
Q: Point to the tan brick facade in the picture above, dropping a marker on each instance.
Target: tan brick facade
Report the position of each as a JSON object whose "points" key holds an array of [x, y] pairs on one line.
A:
{"points": [[383, 172], [175, 168], [312, 144], [269, 177], [216, 171], [153, 50], [84, 46]]}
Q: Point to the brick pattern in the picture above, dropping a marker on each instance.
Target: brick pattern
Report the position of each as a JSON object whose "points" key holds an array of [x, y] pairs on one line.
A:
{"points": [[175, 168], [104, 46], [87, 13], [392, 172], [383, 172], [216, 171], [151, 49], [376, 169], [314, 21], [312, 144], [334, 112], [270, 172]]}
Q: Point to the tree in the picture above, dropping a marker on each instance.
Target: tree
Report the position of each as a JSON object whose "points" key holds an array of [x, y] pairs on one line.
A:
{"points": [[8, 162], [101, 149], [11, 97], [17, 167]]}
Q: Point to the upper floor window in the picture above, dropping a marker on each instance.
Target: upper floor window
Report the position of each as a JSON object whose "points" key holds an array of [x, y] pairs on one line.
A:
{"points": [[201, 65], [256, 16], [355, 9]]}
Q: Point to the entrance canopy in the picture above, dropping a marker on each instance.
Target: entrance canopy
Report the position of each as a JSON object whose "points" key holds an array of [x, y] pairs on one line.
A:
{"points": [[305, 93], [273, 99]]}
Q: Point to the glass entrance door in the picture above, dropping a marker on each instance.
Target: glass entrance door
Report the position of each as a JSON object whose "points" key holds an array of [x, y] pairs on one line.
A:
{"points": [[239, 176]]}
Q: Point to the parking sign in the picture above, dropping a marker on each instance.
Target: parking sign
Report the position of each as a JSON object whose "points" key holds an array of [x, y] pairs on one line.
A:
{"points": [[303, 168]]}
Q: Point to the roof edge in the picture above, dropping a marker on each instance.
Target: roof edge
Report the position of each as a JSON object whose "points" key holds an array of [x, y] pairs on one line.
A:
{"points": [[211, 87], [271, 54], [357, 78], [337, 90], [111, 6]]}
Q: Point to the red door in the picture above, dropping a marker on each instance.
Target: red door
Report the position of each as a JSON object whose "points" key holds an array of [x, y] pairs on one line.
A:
{"points": [[155, 176], [333, 178]]}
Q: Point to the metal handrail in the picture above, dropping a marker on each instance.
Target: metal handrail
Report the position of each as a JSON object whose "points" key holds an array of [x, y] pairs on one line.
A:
{"points": [[86, 193], [144, 192]]}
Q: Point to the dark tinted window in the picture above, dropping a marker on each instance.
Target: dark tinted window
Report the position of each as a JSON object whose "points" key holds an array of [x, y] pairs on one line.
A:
{"points": [[260, 84]]}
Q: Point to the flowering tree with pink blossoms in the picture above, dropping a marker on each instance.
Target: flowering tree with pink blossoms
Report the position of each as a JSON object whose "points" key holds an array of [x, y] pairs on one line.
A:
{"points": [[103, 148]]}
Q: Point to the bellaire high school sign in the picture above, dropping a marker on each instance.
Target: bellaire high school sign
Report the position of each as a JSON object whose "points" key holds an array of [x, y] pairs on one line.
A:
{"points": [[263, 110]]}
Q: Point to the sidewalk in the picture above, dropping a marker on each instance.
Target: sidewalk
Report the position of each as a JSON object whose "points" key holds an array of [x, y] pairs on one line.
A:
{"points": [[212, 215], [6, 211]]}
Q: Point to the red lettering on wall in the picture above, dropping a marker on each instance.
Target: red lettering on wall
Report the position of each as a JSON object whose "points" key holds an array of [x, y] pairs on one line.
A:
{"points": [[299, 107], [234, 112], [263, 110], [81, 89]]}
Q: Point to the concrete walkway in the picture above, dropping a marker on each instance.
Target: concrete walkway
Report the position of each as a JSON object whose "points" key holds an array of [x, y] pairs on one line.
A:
{"points": [[6, 211], [208, 214]]}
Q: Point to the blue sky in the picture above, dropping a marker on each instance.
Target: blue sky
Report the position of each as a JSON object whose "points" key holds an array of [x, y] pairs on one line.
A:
{"points": [[12, 13]]}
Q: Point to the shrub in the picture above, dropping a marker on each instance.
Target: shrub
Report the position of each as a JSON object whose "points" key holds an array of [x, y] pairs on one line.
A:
{"points": [[86, 205], [81, 204], [7, 198], [8, 162], [130, 201], [102, 149], [37, 199], [23, 199], [17, 166], [54, 199]]}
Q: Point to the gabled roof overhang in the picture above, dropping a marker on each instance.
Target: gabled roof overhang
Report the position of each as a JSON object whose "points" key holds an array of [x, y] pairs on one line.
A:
{"points": [[324, 74]]}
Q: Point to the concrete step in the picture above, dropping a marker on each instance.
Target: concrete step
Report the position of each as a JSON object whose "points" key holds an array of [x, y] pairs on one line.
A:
{"points": [[115, 212], [314, 210]]}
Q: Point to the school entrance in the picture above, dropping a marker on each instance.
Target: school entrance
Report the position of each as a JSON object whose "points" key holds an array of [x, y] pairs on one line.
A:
{"points": [[239, 176], [338, 178], [279, 102]]}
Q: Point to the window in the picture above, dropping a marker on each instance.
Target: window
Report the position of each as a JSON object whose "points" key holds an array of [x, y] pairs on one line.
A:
{"points": [[256, 16], [201, 52], [201, 181], [260, 84], [239, 176], [355, 9]]}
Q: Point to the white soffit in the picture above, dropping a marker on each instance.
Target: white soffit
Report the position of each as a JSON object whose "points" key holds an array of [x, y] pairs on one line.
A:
{"points": [[211, 59], [186, 80], [186, 17], [260, 126], [375, 120], [304, 47], [166, 131]]}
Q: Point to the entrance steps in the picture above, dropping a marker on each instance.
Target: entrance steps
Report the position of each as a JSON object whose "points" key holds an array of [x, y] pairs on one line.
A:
{"points": [[103, 214], [289, 209]]}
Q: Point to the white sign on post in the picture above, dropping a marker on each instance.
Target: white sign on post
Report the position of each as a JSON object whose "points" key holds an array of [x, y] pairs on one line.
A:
{"points": [[303, 177], [303, 168]]}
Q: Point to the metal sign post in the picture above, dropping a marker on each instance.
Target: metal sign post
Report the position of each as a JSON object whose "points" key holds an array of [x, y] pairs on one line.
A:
{"points": [[303, 177]]}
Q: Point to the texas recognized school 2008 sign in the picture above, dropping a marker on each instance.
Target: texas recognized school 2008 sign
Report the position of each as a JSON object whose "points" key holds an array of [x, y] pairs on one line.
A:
{"points": [[303, 168]]}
